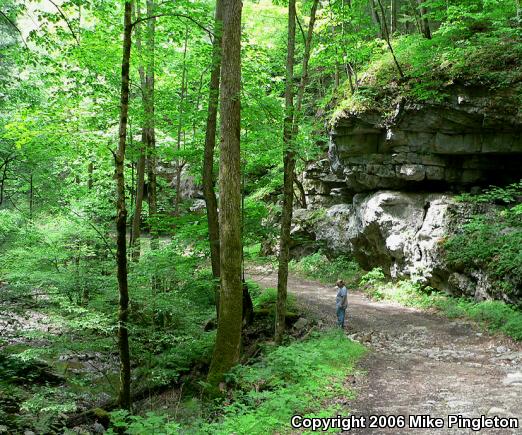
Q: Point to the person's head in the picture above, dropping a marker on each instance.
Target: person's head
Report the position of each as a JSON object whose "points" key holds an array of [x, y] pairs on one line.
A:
{"points": [[339, 283]]}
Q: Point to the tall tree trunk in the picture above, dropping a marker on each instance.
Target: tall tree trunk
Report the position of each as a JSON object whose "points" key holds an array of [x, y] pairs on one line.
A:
{"points": [[393, 16], [375, 18], [90, 171], [150, 127], [290, 130], [302, 192], [210, 144], [140, 170], [425, 24], [31, 196], [288, 181], [228, 339], [121, 219], [4, 178], [415, 13], [387, 38], [136, 221], [179, 163]]}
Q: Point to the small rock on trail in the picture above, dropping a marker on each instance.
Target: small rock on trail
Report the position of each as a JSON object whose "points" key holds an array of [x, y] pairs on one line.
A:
{"points": [[419, 362]]}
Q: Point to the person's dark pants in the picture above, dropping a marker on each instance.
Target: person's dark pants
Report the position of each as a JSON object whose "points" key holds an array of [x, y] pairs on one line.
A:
{"points": [[341, 312]]}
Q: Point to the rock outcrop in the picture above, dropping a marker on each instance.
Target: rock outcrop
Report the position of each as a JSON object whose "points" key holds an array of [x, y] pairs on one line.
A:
{"points": [[468, 140], [385, 193]]}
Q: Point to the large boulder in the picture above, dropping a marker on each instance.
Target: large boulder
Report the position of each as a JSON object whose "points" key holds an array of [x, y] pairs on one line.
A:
{"points": [[401, 232]]}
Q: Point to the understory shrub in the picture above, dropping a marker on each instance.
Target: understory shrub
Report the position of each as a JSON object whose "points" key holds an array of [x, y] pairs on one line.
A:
{"points": [[492, 242], [319, 266]]}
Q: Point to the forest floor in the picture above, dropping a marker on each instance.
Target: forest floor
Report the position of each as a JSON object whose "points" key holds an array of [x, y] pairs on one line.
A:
{"points": [[420, 363]]}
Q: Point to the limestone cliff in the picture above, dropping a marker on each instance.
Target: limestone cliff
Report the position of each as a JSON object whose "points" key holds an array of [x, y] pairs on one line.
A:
{"points": [[388, 183]]}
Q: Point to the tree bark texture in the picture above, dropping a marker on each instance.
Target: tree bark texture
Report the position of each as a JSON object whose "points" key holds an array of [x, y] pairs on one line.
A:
{"points": [[136, 220], [387, 38], [121, 219], [210, 144], [179, 163], [150, 123], [228, 339], [288, 179], [394, 4], [140, 170], [424, 22]]}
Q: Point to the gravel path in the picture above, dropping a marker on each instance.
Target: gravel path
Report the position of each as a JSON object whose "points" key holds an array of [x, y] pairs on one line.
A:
{"points": [[419, 362]]}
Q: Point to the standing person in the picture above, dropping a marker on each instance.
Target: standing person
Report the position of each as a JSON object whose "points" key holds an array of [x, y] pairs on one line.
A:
{"points": [[341, 302]]}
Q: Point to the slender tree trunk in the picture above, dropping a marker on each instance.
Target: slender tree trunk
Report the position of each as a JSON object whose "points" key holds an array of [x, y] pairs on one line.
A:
{"points": [[290, 130], [210, 144], [136, 221], [179, 163], [140, 169], [424, 22], [288, 182], [228, 339], [4, 178], [150, 128], [346, 65], [387, 38], [415, 13], [31, 196], [393, 16], [90, 171], [302, 192], [375, 18], [121, 219]]}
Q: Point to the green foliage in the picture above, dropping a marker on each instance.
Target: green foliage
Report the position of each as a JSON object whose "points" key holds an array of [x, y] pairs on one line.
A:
{"points": [[151, 423], [492, 242], [504, 195], [268, 297], [9, 224], [495, 316], [476, 43], [53, 401], [288, 380], [172, 298], [319, 266], [374, 276], [58, 109]]}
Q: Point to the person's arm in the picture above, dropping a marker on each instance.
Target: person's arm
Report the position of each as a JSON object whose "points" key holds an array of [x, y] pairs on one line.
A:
{"points": [[345, 298]]}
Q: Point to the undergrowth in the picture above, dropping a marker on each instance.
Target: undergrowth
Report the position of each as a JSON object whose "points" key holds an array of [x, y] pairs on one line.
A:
{"points": [[494, 316], [492, 242], [318, 266], [477, 43], [264, 395]]}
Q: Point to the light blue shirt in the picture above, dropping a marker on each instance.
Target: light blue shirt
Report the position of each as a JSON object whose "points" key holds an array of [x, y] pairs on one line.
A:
{"points": [[342, 298]]}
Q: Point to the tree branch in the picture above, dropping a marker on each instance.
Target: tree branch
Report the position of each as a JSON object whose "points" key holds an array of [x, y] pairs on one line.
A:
{"points": [[16, 27], [301, 28], [66, 21], [102, 237]]}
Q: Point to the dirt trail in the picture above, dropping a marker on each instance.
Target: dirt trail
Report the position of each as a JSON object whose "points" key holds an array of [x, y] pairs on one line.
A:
{"points": [[419, 362]]}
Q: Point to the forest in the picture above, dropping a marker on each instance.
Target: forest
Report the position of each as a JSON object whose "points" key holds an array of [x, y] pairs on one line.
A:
{"points": [[187, 186]]}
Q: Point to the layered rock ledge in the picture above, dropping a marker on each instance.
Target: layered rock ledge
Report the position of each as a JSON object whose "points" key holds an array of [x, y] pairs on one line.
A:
{"points": [[386, 191], [467, 140]]}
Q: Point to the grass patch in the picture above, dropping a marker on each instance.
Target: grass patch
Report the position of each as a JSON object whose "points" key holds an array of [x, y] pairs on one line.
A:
{"points": [[494, 316]]}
